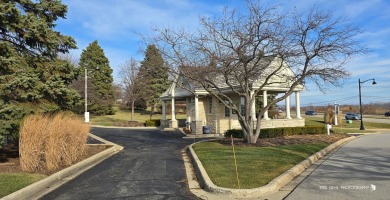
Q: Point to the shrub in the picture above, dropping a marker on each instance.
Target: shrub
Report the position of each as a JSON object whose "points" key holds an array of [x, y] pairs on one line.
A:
{"points": [[51, 142], [236, 133], [153, 122], [280, 132], [286, 131]]}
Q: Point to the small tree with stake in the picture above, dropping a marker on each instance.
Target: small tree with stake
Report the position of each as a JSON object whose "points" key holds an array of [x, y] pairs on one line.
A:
{"points": [[132, 83]]}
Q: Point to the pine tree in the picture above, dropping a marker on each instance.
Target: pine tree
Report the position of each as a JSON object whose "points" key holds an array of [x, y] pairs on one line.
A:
{"points": [[155, 75], [100, 81], [32, 77]]}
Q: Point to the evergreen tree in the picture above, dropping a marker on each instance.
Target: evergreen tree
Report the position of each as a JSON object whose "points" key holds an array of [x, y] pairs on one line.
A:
{"points": [[155, 75], [100, 81], [32, 77]]}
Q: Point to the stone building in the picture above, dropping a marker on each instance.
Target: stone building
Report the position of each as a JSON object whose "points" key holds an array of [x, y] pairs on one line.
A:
{"points": [[203, 109]]}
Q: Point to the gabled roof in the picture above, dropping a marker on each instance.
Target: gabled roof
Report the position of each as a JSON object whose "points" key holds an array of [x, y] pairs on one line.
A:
{"points": [[176, 91], [281, 80]]}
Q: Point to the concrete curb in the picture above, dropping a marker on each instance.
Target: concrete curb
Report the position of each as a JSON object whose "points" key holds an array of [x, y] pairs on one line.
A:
{"points": [[50, 183], [124, 127], [273, 186], [198, 136]]}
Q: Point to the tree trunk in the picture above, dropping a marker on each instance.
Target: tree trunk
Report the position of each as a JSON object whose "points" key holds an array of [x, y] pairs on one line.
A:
{"points": [[252, 134], [151, 112], [252, 137], [132, 110]]}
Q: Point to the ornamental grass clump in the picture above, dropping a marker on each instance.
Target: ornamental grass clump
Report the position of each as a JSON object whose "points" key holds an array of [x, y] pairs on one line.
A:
{"points": [[329, 117], [51, 142]]}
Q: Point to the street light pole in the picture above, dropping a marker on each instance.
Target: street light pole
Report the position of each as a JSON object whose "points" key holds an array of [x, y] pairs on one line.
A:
{"points": [[86, 113], [336, 112], [360, 101]]}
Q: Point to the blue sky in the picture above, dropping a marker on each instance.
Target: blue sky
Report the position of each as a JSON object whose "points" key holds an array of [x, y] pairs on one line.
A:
{"points": [[116, 23]]}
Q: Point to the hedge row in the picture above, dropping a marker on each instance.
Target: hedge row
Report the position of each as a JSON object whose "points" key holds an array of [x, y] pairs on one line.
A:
{"points": [[153, 122], [280, 132]]}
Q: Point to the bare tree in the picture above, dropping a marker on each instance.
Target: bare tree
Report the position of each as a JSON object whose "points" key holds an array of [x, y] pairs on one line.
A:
{"points": [[74, 60], [235, 49], [131, 82]]}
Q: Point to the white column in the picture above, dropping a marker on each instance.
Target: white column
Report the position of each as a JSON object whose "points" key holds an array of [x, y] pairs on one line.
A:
{"points": [[298, 104], [164, 114], [287, 101], [173, 109], [230, 118], [196, 109], [265, 103], [253, 107]]}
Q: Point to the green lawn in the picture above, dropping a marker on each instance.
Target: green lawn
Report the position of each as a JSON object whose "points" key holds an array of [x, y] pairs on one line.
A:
{"points": [[125, 115], [10, 183], [345, 127], [257, 166]]}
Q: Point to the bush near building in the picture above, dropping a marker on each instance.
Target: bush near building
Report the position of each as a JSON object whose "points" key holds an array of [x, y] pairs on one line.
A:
{"points": [[280, 132]]}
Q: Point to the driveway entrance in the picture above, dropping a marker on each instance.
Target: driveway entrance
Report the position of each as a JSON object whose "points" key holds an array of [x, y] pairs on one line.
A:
{"points": [[149, 167]]}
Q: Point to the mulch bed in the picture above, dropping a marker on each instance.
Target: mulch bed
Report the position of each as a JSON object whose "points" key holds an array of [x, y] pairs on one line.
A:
{"points": [[287, 140], [129, 124], [9, 161]]}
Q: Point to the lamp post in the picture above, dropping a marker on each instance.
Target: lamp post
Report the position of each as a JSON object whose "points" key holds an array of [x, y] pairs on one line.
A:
{"points": [[336, 112], [86, 113], [360, 100]]}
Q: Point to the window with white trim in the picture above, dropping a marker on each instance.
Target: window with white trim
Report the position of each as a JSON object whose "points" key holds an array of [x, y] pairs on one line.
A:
{"points": [[242, 105], [210, 108], [227, 109]]}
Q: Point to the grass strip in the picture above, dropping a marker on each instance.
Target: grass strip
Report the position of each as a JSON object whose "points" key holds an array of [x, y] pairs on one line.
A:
{"points": [[124, 116], [257, 166], [10, 183]]}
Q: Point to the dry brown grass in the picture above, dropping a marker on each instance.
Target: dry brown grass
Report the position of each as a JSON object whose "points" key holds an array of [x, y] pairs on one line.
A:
{"points": [[329, 116], [51, 142], [373, 108]]}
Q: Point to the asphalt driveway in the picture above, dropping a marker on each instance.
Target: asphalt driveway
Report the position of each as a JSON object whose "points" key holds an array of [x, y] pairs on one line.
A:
{"points": [[149, 167]]}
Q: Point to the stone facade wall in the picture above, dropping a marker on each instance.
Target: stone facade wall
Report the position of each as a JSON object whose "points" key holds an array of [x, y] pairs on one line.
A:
{"points": [[219, 123], [196, 127], [211, 117], [274, 123], [282, 123], [202, 109]]}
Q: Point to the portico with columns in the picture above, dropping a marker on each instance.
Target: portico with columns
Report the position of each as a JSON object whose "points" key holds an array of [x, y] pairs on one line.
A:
{"points": [[203, 109]]}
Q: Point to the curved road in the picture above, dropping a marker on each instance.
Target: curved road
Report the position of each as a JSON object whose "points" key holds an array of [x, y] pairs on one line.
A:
{"points": [[366, 118], [358, 170], [149, 167]]}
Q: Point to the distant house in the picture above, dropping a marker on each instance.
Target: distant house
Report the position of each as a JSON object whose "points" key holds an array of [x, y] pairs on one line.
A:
{"points": [[204, 109]]}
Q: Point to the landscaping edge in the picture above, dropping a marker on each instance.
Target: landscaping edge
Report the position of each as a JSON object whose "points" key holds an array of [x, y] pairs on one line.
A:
{"points": [[50, 183], [273, 186]]}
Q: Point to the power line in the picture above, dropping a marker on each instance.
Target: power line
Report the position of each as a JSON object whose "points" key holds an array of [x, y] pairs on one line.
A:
{"points": [[332, 101], [346, 99]]}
